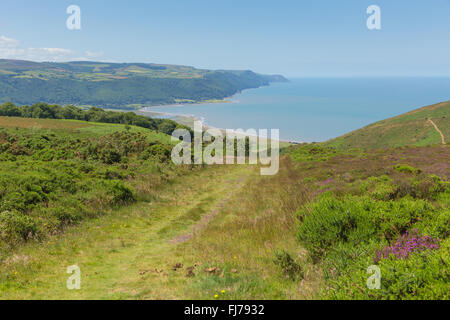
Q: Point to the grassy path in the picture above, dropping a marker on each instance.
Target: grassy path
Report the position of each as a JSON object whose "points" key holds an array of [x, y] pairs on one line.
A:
{"points": [[124, 255], [437, 129]]}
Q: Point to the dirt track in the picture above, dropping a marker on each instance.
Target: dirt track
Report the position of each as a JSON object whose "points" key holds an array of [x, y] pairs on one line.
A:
{"points": [[437, 129]]}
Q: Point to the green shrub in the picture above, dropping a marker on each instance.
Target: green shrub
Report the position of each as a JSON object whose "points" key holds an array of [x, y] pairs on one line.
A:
{"points": [[15, 226], [110, 155], [13, 201], [160, 152], [429, 187], [384, 191], [291, 269], [121, 193], [344, 234], [69, 211], [423, 275], [65, 176], [310, 152], [404, 168], [332, 221], [112, 174]]}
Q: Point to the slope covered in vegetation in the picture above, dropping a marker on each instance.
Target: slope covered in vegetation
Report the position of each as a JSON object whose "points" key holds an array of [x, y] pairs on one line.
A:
{"points": [[424, 126], [119, 85], [46, 111], [389, 209], [216, 232], [57, 172]]}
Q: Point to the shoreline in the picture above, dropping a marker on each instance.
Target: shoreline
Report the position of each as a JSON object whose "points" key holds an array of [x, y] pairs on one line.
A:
{"points": [[188, 120], [208, 101], [182, 104]]}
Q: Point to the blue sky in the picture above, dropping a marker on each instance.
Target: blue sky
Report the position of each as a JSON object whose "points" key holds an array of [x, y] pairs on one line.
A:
{"points": [[295, 38]]}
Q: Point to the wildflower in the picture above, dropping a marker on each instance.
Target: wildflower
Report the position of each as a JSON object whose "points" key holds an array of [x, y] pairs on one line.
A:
{"points": [[407, 244], [223, 291], [216, 296]]}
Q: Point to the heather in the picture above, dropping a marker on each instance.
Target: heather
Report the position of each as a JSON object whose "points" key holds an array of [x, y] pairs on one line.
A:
{"points": [[406, 245], [388, 208]]}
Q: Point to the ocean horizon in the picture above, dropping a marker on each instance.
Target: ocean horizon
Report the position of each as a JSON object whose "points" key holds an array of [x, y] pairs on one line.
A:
{"points": [[317, 109]]}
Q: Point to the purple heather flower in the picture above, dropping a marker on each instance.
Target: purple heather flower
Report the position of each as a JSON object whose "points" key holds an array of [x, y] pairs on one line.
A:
{"points": [[406, 244]]}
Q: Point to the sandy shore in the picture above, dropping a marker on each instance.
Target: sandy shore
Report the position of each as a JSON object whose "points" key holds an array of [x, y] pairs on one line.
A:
{"points": [[188, 120]]}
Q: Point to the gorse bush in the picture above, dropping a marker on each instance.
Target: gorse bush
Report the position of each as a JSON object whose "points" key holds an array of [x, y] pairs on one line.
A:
{"points": [[310, 152], [407, 169], [419, 186], [61, 177], [357, 219], [157, 151], [121, 193], [109, 149], [428, 187], [16, 227], [291, 269]]}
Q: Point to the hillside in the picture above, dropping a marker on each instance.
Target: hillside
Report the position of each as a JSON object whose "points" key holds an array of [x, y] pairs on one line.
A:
{"points": [[425, 126], [119, 85], [106, 197]]}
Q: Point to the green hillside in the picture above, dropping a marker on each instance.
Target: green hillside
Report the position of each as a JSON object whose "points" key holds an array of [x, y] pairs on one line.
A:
{"points": [[416, 128], [107, 197], [119, 85]]}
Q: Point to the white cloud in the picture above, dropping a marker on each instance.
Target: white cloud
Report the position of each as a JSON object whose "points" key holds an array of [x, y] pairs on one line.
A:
{"points": [[11, 49], [8, 42], [92, 54]]}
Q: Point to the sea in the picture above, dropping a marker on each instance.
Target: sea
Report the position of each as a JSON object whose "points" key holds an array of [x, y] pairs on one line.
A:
{"points": [[316, 109]]}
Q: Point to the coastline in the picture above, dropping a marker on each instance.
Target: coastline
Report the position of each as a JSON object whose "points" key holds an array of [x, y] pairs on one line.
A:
{"points": [[188, 120], [192, 102], [183, 118]]}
